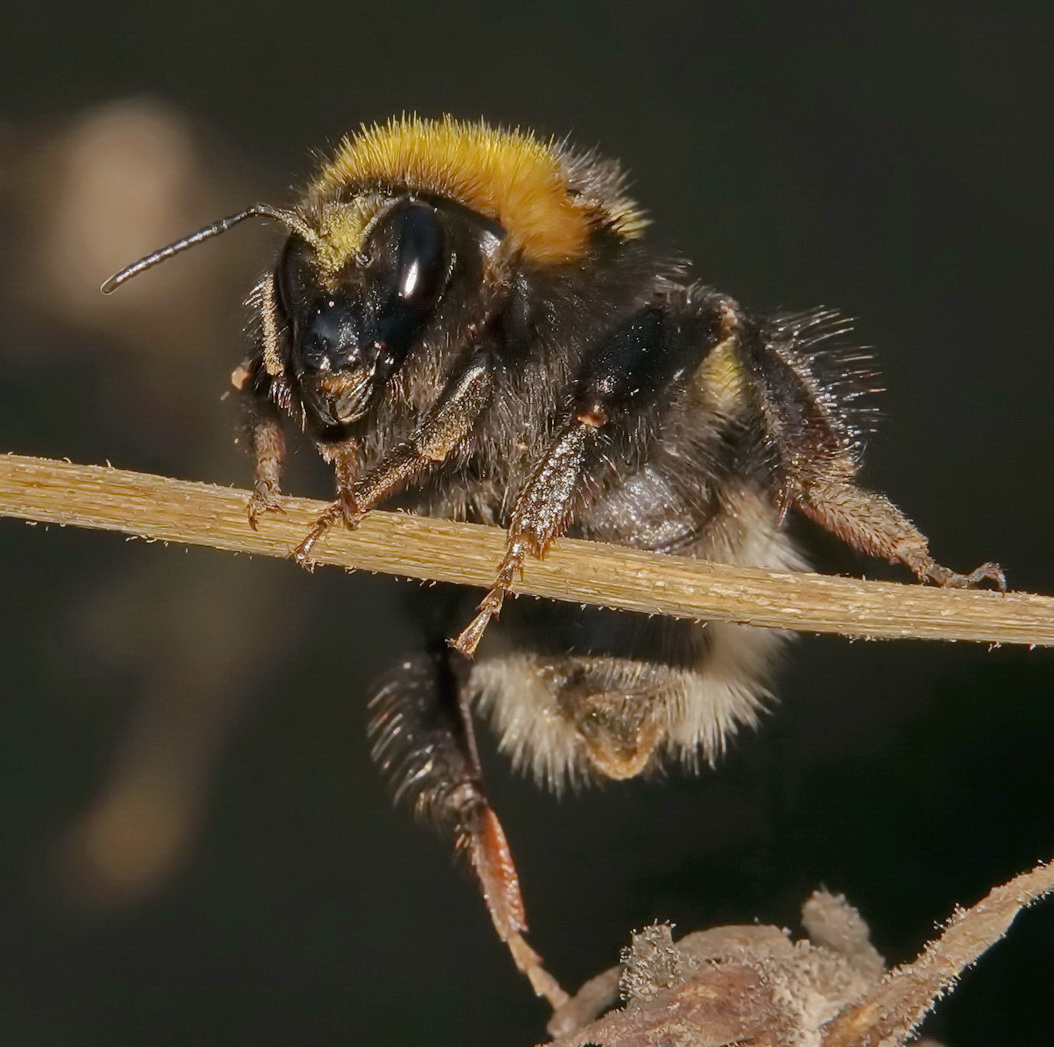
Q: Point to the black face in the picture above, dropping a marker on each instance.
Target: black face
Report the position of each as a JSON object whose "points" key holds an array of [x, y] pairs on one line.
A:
{"points": [[346, 345]]}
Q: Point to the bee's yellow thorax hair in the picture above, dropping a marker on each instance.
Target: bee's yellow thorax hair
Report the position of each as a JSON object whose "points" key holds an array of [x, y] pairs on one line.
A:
{"points": [[510, 177]]}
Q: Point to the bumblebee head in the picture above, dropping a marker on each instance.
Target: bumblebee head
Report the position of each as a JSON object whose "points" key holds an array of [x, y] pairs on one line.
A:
{"points": [[350, 318], [412, 224]]}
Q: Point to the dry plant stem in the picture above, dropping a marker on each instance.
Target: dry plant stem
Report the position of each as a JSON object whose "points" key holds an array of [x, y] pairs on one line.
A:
{"points": [[732, 986], [896, 1008], [159, 508]]}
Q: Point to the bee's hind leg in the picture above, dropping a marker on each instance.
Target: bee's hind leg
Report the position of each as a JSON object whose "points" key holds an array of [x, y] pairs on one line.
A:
{"points": [[422, 739]]}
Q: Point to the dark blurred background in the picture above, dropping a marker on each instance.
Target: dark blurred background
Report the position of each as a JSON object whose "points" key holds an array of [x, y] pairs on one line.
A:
{"points": [[194, 847]]}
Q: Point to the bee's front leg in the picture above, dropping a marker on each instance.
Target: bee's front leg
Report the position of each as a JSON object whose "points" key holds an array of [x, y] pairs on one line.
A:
{"points": [[344, 457], [265, 436], [442, 430]]}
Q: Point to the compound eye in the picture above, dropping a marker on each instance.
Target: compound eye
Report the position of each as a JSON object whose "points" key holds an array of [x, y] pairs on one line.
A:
{"points": [[422, 258], [289, 276]]}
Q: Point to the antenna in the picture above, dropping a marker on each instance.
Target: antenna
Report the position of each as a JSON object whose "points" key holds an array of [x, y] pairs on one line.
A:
{"points": [[287, 218]]}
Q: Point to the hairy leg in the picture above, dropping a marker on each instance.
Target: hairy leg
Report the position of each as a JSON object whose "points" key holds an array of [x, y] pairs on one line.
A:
{"points": [[441, 431], [870, 522], [423, 741], [622, 382], [542, 511], [344, 457], [807, 389], [266, 437]]}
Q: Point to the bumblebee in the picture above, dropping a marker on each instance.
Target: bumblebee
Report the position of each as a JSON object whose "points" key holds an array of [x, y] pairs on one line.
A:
{"points": [[468, 323]]}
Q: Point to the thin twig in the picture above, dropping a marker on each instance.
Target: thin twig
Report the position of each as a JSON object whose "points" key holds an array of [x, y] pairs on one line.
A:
{"points": [[157, 507], [753, 984]]}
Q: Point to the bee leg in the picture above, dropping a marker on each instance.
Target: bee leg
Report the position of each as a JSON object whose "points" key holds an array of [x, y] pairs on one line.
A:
{"points": [[268, 448], [870, 522], [441, 431], [543, 510], [815, 446], [621, 380], [422, 738], [266, 437], [344, 457]]}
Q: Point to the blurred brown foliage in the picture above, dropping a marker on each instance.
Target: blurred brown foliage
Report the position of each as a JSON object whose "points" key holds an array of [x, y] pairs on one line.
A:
{"points": [[91, 194]]}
